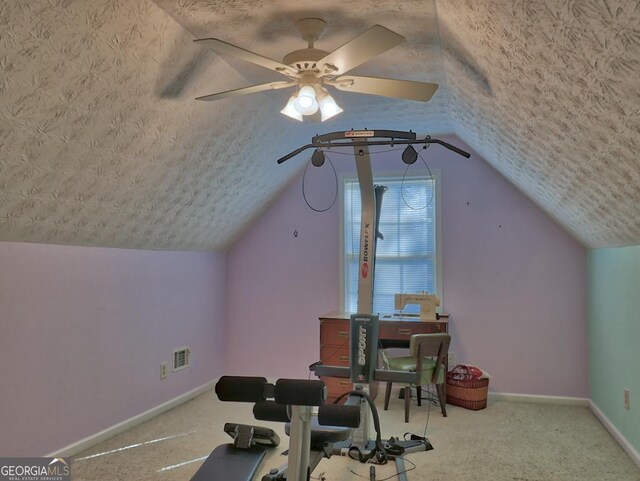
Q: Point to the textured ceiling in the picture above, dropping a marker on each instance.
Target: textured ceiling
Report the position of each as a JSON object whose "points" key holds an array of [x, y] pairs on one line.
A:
{"points": [[101, 142], [555, 106]]}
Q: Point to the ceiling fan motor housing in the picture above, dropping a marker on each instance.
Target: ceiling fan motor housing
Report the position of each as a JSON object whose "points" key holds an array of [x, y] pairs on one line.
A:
{"points": [[305, 59]]}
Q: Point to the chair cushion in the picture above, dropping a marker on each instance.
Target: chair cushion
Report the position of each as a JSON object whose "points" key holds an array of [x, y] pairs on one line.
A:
{"points": [[408, 363]]}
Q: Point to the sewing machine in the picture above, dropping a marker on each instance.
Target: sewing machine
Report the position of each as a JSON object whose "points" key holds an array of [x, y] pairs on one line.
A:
{"points": [[427, 302]]}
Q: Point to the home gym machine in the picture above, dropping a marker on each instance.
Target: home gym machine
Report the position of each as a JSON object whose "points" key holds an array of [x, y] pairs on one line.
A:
{"points": [[288, 400], [335, 428], [364, 324]]}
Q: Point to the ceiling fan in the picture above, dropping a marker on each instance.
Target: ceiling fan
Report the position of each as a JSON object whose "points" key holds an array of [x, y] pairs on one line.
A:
{"points": [[311, 70]]}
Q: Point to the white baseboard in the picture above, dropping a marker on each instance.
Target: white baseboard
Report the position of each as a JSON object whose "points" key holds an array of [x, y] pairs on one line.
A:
{"points": [[533, 398], [97, 438], [617, 435]]}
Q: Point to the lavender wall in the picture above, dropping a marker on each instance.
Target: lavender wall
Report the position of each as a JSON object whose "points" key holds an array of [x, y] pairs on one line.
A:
{"points": [[83, 332], [515, 283]]}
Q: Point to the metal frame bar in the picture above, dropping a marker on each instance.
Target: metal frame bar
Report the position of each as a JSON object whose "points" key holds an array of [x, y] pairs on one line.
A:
{"points": [[367, 253], [359, 138]]}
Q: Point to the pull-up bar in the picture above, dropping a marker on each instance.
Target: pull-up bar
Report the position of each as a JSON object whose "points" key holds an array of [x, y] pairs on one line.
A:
{"points": [[361, 138]]}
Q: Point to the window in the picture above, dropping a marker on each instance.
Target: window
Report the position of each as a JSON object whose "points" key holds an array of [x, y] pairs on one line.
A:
{"points": [[407, 260]]}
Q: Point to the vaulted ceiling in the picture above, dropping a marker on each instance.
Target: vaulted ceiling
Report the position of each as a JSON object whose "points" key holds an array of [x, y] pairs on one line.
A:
{"points": [[101, 142]]}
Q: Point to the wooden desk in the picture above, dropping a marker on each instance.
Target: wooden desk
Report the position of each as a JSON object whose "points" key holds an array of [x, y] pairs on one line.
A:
{"points": [[334, 341]]}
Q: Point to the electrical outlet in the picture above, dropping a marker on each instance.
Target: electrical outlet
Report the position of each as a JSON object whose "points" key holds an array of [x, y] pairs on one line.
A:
{"points": [[163, 370], [626, 399], [451, 360]]}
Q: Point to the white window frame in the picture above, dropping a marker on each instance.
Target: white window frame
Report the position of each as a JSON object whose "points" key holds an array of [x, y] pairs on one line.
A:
{"points": [[379, 178]]}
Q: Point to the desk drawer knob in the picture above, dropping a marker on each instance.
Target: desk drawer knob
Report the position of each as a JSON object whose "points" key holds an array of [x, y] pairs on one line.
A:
{"points": [[343, 358], [344, 383], [343, 333], [404, 331]]}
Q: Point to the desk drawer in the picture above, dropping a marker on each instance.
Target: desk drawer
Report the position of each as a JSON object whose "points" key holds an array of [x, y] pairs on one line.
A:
{"points": [[404, 330], [334, 333], [334, 356]]}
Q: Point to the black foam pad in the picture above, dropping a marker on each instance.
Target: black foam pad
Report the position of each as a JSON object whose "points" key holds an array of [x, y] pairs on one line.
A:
{"points": [[241, 388], [300, 392], [227, 462], [271, 411], [339, 415]]}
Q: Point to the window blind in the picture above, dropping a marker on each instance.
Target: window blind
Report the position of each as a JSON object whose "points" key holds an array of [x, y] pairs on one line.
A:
{"points": [[406, 260]]}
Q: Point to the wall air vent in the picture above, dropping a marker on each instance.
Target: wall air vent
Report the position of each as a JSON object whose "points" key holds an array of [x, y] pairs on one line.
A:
{"points": [[181, 358]]}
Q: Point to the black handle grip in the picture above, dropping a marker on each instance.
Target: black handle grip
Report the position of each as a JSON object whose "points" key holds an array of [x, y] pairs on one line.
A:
{"points": [[451, 147], [294, 153]]}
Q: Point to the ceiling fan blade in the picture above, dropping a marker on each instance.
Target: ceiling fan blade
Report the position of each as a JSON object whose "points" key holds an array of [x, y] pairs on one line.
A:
{"points": [[374, 41], [247, 90], [401, 89], [226, 48]]}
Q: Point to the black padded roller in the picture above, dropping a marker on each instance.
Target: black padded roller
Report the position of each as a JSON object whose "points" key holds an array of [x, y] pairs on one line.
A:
{"points": [[241, 389], [271, 411], [339, 415], [299, 392]]}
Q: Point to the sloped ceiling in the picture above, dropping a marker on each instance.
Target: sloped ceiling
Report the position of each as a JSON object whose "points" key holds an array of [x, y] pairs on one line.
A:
{"points": [[552, 100], [101, 142]]}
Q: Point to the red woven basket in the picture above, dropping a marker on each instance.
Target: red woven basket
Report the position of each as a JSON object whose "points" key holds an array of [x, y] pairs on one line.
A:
{"points": [[468, 394]]}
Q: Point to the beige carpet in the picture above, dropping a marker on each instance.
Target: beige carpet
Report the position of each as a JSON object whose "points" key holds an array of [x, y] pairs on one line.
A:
{"points": [[505, 442]]}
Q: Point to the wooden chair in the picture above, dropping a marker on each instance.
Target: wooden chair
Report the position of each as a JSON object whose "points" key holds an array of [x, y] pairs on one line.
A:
{"points": [[433, 350]]}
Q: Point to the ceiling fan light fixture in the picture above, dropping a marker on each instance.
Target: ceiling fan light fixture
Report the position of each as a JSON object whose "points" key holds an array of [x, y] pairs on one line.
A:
{"points": [[328, 106], [306, 102], [290, 111]]}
